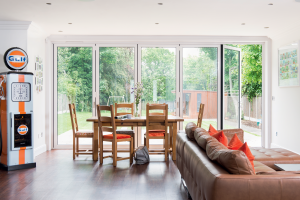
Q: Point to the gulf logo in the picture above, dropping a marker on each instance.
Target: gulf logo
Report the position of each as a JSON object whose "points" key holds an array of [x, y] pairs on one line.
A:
{"points": [[15, 58], [22, 130]]}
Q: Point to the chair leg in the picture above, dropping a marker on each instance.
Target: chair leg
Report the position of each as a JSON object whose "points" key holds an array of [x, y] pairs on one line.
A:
{"points": [[114, 153], [101, 149], [145, 141], [166, 146], [73, 148], [77, 145], [131, 151]]}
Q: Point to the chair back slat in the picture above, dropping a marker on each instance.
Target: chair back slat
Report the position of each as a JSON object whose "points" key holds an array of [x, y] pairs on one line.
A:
{"points": [[104, 119], [123, 105], [156, 121], [73, 118], [200, 115]]}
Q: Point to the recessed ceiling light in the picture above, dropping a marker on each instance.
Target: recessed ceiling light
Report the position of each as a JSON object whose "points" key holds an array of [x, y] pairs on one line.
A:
{"points": [[243, 23], [69, 23], [270, 4], [160, 4], [266, 27], [60, 31], [49, 4], [156, 23]]}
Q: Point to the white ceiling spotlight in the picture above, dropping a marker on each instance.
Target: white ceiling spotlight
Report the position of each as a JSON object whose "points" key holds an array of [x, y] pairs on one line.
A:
{"points": [[243, 23], [160, 4]]}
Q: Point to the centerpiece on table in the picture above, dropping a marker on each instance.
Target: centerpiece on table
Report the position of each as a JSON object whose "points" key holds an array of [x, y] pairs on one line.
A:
{"points": [[138, 91]]}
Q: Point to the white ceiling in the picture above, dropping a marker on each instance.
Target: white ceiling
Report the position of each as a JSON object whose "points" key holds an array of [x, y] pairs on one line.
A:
{"points": [[138, 17]]}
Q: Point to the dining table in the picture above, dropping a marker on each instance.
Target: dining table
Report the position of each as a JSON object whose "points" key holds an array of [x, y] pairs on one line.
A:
{"points": [[136, 122]]}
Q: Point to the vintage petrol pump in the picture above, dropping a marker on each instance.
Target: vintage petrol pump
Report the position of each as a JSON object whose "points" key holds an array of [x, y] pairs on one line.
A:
{"points": [[17, 131]]}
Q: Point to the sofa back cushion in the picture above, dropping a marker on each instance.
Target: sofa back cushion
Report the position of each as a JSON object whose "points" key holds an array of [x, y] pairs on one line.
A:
{"points": [[189, 130], [203, 139], [235, 161]]}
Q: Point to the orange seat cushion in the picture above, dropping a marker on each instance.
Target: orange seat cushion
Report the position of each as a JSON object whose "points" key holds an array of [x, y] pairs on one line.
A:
{"points": [[119, 136], [235, 143], [212, 130], [156, 133], [84, 133]]}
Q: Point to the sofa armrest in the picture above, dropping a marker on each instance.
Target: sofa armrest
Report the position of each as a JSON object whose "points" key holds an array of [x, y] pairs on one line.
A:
{"points": [[230, 133]]}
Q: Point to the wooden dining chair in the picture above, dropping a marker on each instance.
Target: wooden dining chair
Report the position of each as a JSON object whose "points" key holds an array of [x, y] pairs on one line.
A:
{"points": [[200, 115], [114, 138], [157, 126], [125, 106], [79, 134]]}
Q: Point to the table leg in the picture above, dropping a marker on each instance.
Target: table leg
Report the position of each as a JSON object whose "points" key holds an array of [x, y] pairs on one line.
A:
{"points": [[95, 138], [174, 140]]}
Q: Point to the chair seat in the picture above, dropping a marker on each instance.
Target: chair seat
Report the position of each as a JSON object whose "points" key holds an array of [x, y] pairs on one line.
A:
{"points": [[84, 133], [119, 136], [156, 133]]}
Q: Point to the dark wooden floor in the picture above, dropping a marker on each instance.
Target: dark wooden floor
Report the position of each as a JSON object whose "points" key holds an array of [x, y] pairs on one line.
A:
{"points": [[58, 176]]}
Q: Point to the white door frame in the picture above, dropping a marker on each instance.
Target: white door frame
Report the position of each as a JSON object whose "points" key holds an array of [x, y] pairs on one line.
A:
{"points": [[240, 82]]}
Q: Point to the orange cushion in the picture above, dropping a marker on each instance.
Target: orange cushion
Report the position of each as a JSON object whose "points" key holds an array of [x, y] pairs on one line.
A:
{"points": [[221, 137], [119, 136], [156, 133], [235, 143], [212, 130], [248, 153]]}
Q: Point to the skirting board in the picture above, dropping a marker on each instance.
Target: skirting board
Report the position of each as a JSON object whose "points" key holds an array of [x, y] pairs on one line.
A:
{"points": [[39, 150], [273, 145]]}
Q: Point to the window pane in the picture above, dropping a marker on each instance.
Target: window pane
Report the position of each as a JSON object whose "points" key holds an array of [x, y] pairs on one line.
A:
{"points": [[200, 67], [116, 77], [159, 78], [74, 85], [231, 89]]}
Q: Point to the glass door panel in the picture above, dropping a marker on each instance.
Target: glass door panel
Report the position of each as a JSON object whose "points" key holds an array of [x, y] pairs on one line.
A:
{"points": [[200, 84], [231, 87], [158, 74], [116, 77], [74, 85]]}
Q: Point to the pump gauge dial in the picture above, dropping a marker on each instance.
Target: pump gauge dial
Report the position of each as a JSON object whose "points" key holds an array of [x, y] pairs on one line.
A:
{"points": [[20, 92]]}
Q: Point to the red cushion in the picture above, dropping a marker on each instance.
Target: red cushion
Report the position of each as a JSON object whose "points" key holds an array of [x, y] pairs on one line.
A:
{"points": [[119, 136], [221, 137], [156, 133], [248, 153], [212, 130], [235, 143]]}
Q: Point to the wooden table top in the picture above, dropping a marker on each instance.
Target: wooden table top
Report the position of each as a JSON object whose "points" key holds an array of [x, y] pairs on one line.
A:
{"points": [[171, 118]]}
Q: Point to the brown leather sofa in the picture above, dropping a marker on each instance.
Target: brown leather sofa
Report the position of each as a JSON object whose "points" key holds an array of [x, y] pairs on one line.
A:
{"points": [[208, 180]]}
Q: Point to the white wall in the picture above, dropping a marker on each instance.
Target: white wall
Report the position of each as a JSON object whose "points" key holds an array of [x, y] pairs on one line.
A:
{"points": [[286, 106], [11, 38], [36, 47], [29, 37]]}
